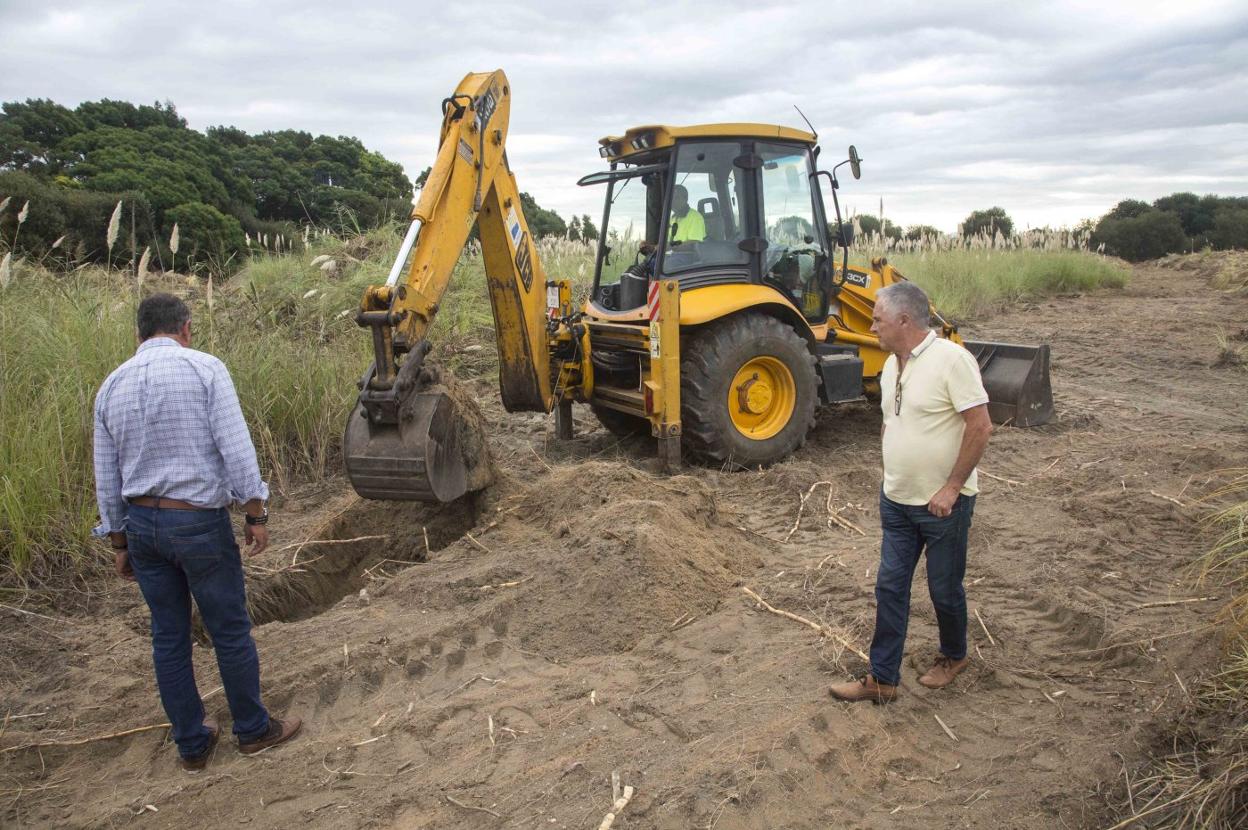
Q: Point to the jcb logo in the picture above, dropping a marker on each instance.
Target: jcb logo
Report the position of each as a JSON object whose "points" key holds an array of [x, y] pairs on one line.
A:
{"points": [[523, 263]]}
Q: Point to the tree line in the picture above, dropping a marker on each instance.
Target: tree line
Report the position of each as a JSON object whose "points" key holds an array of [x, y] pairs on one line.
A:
{"points": [[229, 193], [1134, 230]]}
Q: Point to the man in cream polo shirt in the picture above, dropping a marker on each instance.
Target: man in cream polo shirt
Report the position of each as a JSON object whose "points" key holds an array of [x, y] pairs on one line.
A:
{"points": [[936, 427]]}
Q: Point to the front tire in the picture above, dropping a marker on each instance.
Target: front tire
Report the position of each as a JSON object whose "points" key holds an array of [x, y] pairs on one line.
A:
{"points": [[748, 391]]}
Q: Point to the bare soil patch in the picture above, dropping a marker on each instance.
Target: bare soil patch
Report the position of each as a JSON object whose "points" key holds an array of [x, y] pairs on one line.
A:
{"points": [[585, 615]]}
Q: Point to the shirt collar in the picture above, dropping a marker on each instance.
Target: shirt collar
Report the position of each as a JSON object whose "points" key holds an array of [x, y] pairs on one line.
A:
{"points": [[160, 341], [927, 341]]}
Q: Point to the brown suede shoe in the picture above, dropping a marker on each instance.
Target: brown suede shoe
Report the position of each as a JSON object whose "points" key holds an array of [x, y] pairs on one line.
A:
{"points": [[280, 731], [199, 762], [865, 689], [943, 671]]}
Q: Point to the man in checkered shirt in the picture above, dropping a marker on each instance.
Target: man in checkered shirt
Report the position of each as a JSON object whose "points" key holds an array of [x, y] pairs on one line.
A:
{"points": [[171, 453]]}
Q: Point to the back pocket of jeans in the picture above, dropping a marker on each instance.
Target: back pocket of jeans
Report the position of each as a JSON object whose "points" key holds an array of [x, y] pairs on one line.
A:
{"points": [[199, 555]]}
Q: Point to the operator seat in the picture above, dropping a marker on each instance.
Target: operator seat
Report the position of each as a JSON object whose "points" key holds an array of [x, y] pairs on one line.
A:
{"points": [[709, 208]]}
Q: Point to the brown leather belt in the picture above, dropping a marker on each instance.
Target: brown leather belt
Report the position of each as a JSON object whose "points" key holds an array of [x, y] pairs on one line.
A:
{"points": [[160, 502]]}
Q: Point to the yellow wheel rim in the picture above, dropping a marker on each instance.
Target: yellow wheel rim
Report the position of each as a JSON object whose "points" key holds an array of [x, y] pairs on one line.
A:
{"points": [[762, 398]]}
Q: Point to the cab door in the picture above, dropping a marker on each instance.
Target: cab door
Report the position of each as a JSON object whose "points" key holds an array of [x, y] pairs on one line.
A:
{"points": [[795, 258]]}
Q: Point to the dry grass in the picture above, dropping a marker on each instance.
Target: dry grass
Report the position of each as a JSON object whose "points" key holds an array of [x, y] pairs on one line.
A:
{"points": [[1202, 780]]}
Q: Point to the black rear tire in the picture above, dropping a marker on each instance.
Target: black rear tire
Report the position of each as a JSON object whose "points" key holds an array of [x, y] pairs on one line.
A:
{"points": [[709, 363]]}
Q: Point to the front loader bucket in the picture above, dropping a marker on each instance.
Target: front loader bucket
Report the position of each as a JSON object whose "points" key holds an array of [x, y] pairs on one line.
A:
{"points": [[436, 452], [1017, 380]]}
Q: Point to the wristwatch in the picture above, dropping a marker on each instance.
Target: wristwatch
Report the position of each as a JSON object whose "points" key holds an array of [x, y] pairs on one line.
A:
{"points": [[262, 519]]}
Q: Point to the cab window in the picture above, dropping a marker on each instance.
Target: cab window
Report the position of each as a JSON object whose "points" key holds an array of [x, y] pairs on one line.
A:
{"points": [[703, 224], [794, 258]]}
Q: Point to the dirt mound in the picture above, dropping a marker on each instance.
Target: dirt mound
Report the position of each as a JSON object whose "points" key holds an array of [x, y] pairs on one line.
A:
{"points": [[597, 557]]}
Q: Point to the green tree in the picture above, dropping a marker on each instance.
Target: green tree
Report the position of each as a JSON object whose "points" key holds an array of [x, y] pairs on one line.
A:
{"points": [[871, 225], [1195, 214], [1230, 228], [423, 177], [207, 237], [589, 232], [1147, 235], [916, 232], [30, 133], [1129, 208], [988, 222], [542, 222]]}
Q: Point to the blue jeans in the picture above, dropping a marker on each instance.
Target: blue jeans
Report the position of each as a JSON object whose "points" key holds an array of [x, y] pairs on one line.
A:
{"points": [[176, 555], [908, 530]]}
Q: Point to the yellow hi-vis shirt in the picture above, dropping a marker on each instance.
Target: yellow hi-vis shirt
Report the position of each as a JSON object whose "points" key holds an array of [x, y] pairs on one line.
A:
{"points": [[688, 228], [941, 380]]}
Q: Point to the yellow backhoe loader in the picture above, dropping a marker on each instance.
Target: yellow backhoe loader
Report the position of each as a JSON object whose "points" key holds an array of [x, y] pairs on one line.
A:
{"points": [[719, 317]]}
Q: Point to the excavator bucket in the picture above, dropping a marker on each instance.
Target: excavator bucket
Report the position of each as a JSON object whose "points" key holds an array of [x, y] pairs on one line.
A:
{"points": [[435, 452], [1017, 381]]}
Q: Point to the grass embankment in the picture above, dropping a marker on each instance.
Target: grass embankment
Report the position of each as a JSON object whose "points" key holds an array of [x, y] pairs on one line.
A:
{"points": [[284, 327]]}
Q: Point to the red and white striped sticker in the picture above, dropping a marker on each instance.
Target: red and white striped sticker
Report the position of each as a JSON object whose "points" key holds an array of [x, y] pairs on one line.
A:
{"points": [[653, 300]]}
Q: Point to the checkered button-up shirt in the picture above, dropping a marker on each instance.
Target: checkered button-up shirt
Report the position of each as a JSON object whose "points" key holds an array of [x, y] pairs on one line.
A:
{"points": [[168, 423]]}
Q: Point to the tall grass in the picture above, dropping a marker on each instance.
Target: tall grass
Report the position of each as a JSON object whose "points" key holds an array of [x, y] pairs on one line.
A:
{"points": [[972, 283]]}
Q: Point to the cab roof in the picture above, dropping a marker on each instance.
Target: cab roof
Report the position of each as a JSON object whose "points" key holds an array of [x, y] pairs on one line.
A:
{"points": [[653, 136]]}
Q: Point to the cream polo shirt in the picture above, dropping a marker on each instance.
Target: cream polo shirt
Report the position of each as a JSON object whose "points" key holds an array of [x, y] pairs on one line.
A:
{"points": [[940, 381]]}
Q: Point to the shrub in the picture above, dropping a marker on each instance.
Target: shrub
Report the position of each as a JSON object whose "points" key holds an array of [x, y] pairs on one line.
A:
{"points": [[207, 236], [1148, 235]]}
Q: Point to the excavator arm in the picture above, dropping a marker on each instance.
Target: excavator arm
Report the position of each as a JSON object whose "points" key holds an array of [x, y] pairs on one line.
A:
{"points": [[408, 437]]}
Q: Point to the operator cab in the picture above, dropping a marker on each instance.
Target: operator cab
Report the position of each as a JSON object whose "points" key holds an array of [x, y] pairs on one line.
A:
{"points": [[711, 205]]}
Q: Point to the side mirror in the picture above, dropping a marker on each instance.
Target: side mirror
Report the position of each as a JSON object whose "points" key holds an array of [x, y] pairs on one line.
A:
{"points": [[855, 163], [847, 234]]}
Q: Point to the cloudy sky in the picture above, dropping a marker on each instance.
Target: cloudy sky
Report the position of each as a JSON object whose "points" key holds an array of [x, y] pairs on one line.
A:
{"points": [[1054, 110]]}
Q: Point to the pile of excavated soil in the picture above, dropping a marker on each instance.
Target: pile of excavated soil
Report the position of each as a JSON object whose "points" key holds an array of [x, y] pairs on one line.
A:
{"points": [[608, 555]]}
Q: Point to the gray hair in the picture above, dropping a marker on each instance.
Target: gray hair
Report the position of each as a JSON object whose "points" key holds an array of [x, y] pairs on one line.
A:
{"points": [[907, 298]]}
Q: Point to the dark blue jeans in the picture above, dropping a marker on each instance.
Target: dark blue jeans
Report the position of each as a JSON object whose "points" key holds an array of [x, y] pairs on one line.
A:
{"points": [[908, 530], [176, 555]]}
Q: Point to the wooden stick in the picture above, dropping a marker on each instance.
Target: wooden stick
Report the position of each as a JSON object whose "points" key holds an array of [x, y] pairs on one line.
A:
{"points": [[945, 727], [30, 613], [801, 505], [981, 625], [984, 472], [539, 458], [459, 803], [425, 532], [91, 740], [616, 808], [822, 629], [329, 542], [1168, 498], [475, 542], [1168, 602], [503, 584]]}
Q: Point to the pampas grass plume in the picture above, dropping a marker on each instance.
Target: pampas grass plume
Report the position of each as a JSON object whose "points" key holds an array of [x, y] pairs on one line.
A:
{"points": [[114, 225], [6, 269], [21, 217], [143, 263], [173, 239]]}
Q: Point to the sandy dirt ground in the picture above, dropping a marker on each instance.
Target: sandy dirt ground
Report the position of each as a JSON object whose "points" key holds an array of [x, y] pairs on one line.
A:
{"points": [[586, 616]]}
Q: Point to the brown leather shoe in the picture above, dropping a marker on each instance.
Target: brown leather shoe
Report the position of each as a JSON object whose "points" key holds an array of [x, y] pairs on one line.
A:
{"points": [[199, 762], [868, 688], [943, 671], [280, 731]]}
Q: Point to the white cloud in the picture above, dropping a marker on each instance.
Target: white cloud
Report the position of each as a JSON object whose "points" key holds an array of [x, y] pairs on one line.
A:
{"points": [[1054, 111]]}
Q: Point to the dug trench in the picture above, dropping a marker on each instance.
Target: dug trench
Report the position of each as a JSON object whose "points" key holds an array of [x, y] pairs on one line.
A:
{"points": [[586, 616]]}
